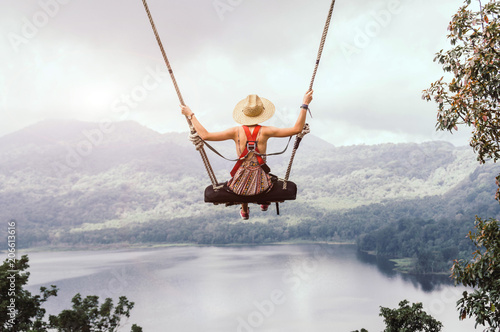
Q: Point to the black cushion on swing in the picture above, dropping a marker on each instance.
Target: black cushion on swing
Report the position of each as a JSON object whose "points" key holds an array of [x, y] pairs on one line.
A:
{"points": [[276, 194]]}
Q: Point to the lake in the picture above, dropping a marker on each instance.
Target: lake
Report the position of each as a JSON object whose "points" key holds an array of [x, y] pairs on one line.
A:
{"points": [[315, 287]]}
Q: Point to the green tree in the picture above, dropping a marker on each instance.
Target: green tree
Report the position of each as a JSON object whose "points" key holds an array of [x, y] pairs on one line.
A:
{"points": [[408, 318], [472, 97], [19, 309], [427, 262], [483, 274], [87, 315], [22, 311]]}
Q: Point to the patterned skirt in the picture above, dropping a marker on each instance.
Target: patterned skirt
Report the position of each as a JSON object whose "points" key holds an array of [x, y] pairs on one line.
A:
{"points": [[250, 179]]}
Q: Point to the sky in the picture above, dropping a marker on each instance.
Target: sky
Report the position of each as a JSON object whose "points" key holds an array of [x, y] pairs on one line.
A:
{"points": [[98, 61]]}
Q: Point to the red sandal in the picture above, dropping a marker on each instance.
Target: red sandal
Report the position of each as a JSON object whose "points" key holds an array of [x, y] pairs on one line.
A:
{"points": [[244, 215]]}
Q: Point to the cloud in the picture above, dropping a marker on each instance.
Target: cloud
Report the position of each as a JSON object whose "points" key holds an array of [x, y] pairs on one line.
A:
{"points": [[94, 60]]}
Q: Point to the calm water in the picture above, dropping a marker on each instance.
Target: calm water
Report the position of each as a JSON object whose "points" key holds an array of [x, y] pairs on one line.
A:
{"points": [[265, 288]]}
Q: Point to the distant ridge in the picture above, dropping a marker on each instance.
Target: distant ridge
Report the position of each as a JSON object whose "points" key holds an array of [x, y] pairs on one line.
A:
{"points": [[77, 176], [64, 130]]}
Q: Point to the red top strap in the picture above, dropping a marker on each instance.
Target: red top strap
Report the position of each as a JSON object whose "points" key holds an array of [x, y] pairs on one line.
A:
{"points": [[250, 136], [253, 138]]}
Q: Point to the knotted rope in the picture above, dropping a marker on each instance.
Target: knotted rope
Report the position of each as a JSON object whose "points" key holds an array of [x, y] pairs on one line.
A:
{"points": [[196, 140], [203, 154], [306, 130]]}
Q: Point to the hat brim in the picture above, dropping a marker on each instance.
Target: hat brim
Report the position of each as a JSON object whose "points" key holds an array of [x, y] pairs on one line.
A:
{"points": [[243, 119]]}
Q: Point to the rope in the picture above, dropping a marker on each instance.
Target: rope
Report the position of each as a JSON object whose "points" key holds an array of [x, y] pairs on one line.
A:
{"points": [[194, 137], [203, 154], [164, 54], [322, 43], [196, 140], [306, 129]]}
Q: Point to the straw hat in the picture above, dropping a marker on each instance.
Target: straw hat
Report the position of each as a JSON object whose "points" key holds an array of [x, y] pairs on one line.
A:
{"points": [[253, 110]]}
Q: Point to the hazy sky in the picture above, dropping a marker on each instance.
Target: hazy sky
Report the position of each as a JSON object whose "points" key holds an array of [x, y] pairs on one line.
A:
{"points": [[98, 60]]}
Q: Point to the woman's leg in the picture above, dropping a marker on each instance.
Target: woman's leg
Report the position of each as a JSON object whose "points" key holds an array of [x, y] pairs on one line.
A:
{"points": [[244, 211]]}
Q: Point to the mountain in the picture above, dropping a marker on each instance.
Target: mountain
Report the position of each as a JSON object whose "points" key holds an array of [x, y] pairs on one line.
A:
{"points": [[70, 177]]}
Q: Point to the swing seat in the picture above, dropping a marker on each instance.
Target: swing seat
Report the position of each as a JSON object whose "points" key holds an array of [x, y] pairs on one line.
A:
{"points": [[276, 195]]}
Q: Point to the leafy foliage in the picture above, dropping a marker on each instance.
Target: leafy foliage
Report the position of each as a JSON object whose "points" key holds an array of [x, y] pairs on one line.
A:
{"points": [[472, 97], [87, 315], [483, 274], [408, 318], [21, 311], [18, 307], [432, 245]]}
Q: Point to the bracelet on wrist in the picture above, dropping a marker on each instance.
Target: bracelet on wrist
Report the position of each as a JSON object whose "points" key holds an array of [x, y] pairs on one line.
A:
{"points": [[306, 107]]}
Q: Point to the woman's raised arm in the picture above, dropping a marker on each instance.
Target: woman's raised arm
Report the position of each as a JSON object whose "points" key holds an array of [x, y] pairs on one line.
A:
{"points": [[299, 125], [224, 135]]}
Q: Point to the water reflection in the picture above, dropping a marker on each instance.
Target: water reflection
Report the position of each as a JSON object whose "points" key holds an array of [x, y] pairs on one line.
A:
{"points": [[427, 283], [261, 288]]}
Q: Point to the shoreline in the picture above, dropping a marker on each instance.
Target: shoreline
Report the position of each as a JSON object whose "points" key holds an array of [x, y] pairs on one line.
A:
{"points": [[400, 265], [405, 265], [125, 246]]}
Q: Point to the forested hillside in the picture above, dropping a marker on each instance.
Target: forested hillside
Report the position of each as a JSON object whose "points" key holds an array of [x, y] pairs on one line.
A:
{"points": [[73, 183]]}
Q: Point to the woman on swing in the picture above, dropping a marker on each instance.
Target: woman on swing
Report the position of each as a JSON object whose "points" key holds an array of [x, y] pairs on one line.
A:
{"points": [[248, 177]]}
